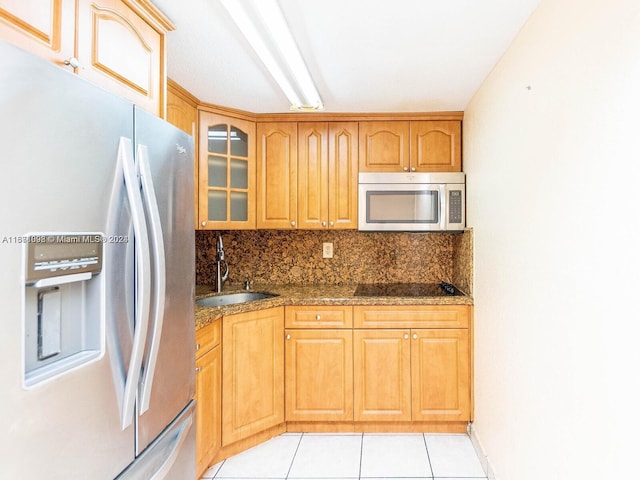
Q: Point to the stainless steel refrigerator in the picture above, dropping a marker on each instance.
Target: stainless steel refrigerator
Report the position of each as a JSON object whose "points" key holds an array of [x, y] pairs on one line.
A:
{"points": [[97, 284]]}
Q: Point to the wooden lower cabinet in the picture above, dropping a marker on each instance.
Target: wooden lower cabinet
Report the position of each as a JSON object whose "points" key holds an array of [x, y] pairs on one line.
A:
{"points": [[412, 363], [208, 391], [341, 368], [252, 373], [382, 380], [440, 377], [413, 374], [319, 375]]}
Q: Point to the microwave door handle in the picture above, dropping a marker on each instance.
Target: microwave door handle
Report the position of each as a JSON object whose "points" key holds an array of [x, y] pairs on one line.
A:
{"points": [[443, 206]]}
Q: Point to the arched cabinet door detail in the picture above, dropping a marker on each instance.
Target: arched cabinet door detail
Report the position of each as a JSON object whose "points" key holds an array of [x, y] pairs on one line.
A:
{"points": [[106, 29], [436, 146], [227, 183], [43, 27]]}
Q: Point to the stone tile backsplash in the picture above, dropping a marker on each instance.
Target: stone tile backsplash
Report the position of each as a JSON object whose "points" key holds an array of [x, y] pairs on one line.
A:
{"points": [[295, 257]]}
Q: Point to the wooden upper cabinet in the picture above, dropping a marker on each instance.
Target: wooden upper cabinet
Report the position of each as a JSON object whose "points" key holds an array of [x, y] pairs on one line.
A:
{"points": [[410, 146], [226, 173], [277, 170], [384, 146], [119, 45], [182, 112], [327, 175], [313, 175], [43, 27], [120, 50], [343, 175], [436, 146], [182, 108]]}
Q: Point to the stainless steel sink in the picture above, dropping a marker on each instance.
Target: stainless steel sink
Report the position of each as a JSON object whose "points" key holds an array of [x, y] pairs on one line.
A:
{"points": [[233, 298]]}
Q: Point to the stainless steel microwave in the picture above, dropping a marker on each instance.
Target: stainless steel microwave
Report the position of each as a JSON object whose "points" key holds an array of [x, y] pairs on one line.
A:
{"points": [[411, 202]]}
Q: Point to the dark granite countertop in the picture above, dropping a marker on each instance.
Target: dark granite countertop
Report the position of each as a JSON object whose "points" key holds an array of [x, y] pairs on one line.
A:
{"points": [[310, 295]]}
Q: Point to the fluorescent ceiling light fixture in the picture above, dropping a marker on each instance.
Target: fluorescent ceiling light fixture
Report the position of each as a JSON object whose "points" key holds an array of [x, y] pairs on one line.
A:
{"points": [[263, 25]]}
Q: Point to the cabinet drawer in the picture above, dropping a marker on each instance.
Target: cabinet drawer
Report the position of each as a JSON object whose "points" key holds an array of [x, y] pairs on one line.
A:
{"points": [[207, 338], [339, 316], [427, 316]]}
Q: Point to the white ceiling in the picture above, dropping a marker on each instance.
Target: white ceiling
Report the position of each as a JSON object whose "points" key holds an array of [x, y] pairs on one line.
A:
{"points": [[364, 55]]}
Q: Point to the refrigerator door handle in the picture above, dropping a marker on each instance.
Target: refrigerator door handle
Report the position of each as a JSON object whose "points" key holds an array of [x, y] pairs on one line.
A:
{"points": [[159, 458], [143, 277], [171, 458], [157, 244]]}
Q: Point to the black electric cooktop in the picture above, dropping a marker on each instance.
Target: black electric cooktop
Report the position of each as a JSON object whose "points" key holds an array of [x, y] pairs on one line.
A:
{"points": [[406, 290]]}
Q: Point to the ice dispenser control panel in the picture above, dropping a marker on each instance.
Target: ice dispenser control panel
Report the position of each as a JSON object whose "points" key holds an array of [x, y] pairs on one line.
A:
{"points": [[63, 310], [55, 255]]}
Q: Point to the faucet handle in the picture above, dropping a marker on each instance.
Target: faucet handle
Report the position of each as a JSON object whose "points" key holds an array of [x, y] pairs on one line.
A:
{"points": [[247, 284]]}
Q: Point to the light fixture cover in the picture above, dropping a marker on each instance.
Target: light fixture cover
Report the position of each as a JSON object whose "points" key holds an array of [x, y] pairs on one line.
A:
{"points": [[265, 28]]}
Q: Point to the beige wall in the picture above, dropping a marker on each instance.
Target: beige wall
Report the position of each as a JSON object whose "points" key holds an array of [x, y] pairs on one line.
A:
{"points": [[552, 154]]}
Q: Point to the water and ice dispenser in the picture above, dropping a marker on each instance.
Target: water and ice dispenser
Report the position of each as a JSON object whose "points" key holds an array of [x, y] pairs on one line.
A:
{"points": [[63, 303]]}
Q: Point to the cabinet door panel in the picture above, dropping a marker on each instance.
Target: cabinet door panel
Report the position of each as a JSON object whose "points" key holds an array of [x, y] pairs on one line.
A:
{"points": [[440, 374], [106, 29], [436, 146], [226, 173], [277, 175], [253, 373], [319, 375], [343, 175], [313, 175], [43, 27], [384, 146], [208, 422], [382, 375]]}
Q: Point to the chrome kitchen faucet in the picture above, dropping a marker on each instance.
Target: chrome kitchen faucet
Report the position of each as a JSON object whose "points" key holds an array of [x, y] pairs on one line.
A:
{"points": [[221, 277]]}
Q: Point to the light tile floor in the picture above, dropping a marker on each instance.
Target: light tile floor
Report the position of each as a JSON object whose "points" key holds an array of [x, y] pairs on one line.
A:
{"points": [[313, 456]]}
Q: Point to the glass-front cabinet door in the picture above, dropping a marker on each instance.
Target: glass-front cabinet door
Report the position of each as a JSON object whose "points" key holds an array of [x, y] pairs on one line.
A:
{"points": [[226, 173]]}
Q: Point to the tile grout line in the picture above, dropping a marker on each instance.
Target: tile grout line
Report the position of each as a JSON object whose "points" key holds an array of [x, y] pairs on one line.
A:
{"points": [[294, 456], [426, 447], [361, 448], [219, 468]]}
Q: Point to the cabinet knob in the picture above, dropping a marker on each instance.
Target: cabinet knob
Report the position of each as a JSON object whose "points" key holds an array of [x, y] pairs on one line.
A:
{"points": [[198, 369], [415, 336], [197, 347], [293, 223], [204, 223], [324, 224], [72, 62], [288, 337], [406, 336], [413, 169], [331, 224], [317, 317], [406, 169]]}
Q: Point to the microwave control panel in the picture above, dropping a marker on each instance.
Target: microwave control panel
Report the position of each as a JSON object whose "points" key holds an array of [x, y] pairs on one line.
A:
{"points": [[455, 206]]}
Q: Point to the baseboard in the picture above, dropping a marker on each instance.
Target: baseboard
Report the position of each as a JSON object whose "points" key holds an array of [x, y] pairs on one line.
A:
{"points": [[482, 456]]}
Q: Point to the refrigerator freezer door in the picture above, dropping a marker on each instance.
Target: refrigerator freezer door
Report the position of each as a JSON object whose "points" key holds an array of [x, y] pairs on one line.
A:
{"points": [[171, 456], [59, 138], [170, 162]]}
